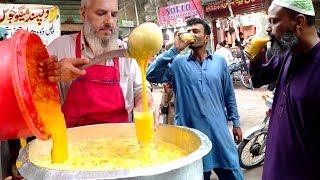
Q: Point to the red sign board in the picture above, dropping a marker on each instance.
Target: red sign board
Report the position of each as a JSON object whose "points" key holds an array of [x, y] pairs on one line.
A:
{"points": [[176, 15], [220, 8]]}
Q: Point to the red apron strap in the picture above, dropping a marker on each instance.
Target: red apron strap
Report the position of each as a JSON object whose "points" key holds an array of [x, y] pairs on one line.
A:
{"points": [[116, 66], [78, 46]]}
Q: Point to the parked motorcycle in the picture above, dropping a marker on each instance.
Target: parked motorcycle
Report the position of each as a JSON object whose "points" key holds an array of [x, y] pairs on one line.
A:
{"points": [[252, 148], [238, 71]]}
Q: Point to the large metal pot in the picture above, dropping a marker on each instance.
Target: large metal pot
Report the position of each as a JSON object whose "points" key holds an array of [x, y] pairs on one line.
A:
{"points": [[186, 168]]}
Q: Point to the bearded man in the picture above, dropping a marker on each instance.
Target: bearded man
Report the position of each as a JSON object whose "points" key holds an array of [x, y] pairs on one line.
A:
{"points": [[102, 93], [292, 150]]}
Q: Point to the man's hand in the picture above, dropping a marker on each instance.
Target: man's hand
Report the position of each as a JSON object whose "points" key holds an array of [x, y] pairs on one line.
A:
{"points": [[65, 70], [179, 44], [237, 134], [70, 70], [167, 87], [50, 69]]}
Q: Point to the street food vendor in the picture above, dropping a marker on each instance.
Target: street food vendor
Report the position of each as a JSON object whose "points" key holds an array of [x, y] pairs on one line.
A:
{"points": [[102, 93]]}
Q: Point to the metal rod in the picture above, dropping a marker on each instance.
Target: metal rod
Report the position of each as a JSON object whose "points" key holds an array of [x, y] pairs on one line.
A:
{"points": [[136, 10], [125, 11]]}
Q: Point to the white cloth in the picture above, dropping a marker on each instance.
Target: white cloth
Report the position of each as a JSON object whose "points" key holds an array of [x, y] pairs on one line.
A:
{"points": [[130, 74], [225, 53]]}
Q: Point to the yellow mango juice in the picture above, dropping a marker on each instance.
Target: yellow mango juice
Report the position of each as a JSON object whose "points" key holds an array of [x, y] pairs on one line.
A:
{"points": [[55, 126], [144, 121], [144, 127], [50, 119], [254, 46]]}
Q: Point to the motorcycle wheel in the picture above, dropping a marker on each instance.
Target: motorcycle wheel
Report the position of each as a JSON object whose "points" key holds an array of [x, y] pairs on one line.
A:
{"points": [[249, 151], [245, 84]]}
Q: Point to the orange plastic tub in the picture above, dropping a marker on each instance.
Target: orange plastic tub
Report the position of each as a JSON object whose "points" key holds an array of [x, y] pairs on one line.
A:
{"points": [[19, 86]]}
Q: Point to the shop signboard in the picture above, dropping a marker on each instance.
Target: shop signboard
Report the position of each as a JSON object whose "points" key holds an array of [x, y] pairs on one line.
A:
{"points": [[43, 20], [176, 15], [220, 8]]}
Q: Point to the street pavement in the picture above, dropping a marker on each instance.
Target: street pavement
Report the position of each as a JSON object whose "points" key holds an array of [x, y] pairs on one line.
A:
{"points": [[252, 110]]}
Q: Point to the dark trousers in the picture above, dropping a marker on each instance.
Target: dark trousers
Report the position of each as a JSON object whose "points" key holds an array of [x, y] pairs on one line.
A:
{"points": [[5, 161], [14, 147]]}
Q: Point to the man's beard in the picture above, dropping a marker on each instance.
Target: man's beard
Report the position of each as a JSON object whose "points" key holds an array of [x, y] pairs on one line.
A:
{"points": [[286, 42], [99, 45]]}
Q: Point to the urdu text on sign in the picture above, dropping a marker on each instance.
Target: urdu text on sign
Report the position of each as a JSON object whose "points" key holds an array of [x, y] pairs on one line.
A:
{"points": [[43, 20]]}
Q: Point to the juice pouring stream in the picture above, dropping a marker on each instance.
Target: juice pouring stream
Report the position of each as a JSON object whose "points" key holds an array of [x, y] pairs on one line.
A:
{"points": [[145, 41], [46, 100]]}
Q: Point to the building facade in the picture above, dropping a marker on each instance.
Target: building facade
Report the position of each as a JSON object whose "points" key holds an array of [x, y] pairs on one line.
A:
{"points": [[131, 13], [248, 17]]}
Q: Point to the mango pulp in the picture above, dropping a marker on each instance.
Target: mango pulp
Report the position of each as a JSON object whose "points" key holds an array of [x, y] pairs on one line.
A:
{"points": [[112, 153]]}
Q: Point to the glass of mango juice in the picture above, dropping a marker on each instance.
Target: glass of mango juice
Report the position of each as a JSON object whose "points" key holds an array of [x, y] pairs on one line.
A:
{"points": [[187, 37], [254, 46], [144, 124]]}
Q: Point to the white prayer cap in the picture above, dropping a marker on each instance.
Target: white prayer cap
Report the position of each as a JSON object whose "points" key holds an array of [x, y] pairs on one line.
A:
{"points": [[300, 6]]}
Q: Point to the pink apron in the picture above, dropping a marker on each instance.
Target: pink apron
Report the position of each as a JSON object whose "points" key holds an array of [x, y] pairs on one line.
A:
{"points": [[95, 97]]}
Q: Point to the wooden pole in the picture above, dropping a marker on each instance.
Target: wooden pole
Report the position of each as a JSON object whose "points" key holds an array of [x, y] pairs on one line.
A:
{"points": [[233, 20]]}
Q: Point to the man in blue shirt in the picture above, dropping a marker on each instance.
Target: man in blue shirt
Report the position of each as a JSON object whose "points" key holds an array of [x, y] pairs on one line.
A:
{"points": [[205, 98]]}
